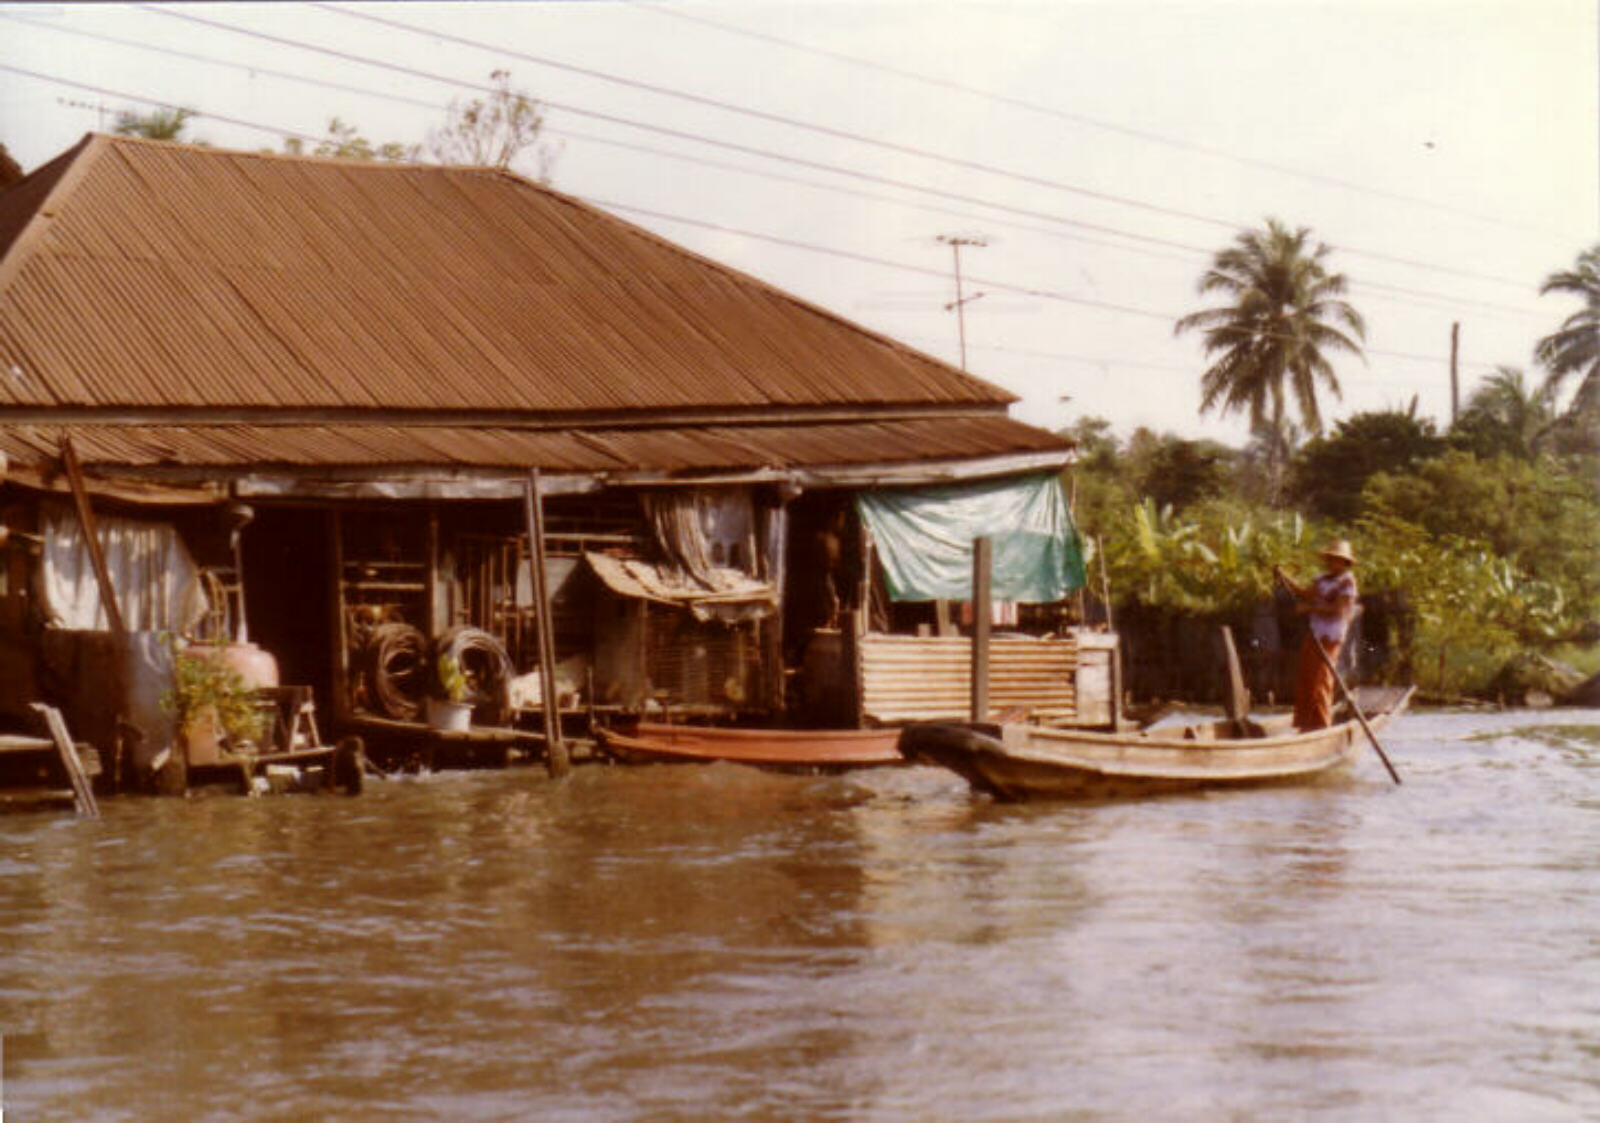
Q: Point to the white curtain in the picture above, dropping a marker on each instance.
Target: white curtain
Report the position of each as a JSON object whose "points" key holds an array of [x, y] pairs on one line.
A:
{"points": [[155, 578]]}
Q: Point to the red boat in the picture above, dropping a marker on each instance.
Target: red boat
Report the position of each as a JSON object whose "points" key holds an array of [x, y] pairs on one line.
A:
{"points": [[785, 748]]}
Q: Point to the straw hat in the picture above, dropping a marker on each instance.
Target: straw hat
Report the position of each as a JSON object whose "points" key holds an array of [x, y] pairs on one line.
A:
{"points": [[1338, 548]]}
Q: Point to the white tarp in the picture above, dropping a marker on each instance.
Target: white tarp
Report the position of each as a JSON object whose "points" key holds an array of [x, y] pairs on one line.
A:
{"points": [[155, 578]]}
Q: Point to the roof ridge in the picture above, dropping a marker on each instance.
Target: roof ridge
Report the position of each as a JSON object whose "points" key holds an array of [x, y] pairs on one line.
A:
{"points": [[69, 169]]}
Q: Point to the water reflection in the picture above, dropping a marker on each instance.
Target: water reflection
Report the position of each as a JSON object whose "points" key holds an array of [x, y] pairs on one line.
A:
{"points": [[699, 942]]}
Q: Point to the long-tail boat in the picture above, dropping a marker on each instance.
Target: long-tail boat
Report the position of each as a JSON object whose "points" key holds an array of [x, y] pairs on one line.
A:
{"points": [[1016, 761], [779, 748]]}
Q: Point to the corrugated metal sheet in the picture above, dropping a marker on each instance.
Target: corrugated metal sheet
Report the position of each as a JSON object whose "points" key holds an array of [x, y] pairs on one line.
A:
{"points": [[929, 678], [242, 447], [163, 275]]}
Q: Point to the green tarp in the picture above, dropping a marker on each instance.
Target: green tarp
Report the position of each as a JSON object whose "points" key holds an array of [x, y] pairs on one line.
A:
{"points": [[924, 539]]}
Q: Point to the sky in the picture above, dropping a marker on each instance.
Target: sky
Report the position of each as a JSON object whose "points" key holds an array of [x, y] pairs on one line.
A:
{"points": [[1448, 153]]}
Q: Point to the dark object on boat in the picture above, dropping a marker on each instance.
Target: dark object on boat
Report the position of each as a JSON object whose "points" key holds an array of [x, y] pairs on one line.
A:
{"points": [[784, 748], [1017, 762]]}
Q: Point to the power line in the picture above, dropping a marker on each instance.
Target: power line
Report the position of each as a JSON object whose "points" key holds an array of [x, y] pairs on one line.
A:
{"points": [[679, 12], [1189, 251], [730, 107], [792, 243], [174, 52], [851, 255], [104, 92]]}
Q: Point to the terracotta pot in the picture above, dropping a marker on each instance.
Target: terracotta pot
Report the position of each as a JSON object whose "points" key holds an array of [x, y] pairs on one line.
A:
{"points": [[202, 735]]}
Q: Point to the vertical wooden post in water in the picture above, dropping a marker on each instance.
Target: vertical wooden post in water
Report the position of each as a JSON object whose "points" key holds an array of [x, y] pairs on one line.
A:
{"points": [[982, 557], [556, 759]]}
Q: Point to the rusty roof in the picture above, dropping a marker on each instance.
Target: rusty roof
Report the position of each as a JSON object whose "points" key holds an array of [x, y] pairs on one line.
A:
{"points": [[203, 450], [177, 305], [143, 274]]}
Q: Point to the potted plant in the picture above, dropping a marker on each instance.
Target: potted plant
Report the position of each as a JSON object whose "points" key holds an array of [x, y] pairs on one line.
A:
{"points": [[449, 709], [214, 708]]}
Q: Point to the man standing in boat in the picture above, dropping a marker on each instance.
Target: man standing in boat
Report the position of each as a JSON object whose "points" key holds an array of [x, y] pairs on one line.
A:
{"points": [[1329, 603]]}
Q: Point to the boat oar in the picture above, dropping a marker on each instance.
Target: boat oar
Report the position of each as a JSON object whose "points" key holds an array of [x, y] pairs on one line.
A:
{"points": [[1355, 709], [1344, 690]]}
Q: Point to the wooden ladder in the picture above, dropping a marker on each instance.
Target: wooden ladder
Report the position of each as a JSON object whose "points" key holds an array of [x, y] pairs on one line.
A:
{"points": [[82, 791]]}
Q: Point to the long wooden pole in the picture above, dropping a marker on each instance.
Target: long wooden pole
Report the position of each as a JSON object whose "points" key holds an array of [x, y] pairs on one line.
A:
{"points": [[120, 644], [91, 535], [982, 573], [1355, 709], [556, 758]]}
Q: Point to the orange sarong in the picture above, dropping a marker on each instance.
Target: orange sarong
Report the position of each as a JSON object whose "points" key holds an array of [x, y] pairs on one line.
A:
{"points": [[1313, 685]]}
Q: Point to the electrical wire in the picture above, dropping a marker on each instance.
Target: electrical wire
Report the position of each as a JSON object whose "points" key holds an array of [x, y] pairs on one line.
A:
{"points": [[680, 12], [1188, 248], [730, 107]]}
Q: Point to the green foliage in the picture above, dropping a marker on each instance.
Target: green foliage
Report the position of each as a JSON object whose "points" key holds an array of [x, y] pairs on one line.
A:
{"points": [[1217, 561], [492, 132], [346, 142], [1328, 473], [1180, 473], [199, 680], [1283, 314], [1573, 349], [158, 124], [1495, 555], [452, 682], [1538, 516], [1505, 416]]}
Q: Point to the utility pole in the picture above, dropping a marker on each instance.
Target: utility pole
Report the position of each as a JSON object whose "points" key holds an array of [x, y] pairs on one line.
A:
{"points": [[1455, 384], [955, 242]]}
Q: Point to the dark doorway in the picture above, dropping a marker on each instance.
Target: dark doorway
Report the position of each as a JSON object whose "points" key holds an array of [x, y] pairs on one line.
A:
{"points": [[287, 595]]}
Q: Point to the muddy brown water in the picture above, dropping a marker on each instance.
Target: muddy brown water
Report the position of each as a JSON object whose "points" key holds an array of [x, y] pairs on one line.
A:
{"points": [[690, 942]]}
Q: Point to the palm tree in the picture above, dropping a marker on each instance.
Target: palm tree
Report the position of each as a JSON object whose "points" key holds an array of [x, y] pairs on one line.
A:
{"points": [[1505, 414], [1284, 314], [1574, 348]]}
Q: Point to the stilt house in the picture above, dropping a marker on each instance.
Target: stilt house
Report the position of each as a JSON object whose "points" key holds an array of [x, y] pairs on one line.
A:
{"points": [[319, 404]]}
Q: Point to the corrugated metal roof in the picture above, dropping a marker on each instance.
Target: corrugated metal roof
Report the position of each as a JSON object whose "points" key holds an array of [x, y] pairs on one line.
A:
{"points": [[243, 448], [139, 274]]}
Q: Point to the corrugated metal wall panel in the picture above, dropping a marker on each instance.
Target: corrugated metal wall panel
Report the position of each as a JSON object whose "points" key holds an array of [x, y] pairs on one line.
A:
{"points": [[929, 678]]}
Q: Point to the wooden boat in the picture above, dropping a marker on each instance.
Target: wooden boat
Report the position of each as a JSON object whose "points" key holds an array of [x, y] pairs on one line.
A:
{"points": [[781, 748], [1017, 762]]}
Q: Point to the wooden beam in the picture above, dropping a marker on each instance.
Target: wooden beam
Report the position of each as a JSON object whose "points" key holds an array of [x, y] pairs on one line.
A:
{"points": [[91, 534], [556, 759], [982, 566]]}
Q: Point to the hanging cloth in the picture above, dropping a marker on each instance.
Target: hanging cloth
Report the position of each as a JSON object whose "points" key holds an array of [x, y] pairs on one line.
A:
{"points": [[923, 537]]}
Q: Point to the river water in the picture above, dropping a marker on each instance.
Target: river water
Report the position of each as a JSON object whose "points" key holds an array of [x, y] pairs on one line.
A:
{"points": [[687, 942]]}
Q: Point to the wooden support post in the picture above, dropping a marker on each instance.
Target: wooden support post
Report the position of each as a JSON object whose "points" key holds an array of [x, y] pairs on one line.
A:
{"points": [[436, 616], [117, 688], [97, 557], [339, 626], [982, 559], [557, 760]]}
